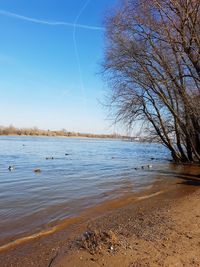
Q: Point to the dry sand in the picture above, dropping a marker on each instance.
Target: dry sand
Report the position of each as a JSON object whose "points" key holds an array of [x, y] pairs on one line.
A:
{"points": [[162, 230], [168, 235]]}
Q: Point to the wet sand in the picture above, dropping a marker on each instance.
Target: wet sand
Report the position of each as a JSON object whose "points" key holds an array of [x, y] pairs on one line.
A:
{"points": [[159, 227]]}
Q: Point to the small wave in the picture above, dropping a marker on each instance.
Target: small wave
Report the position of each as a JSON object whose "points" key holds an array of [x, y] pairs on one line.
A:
{"points": [[54, 229], [40, 234], [149, 196]]}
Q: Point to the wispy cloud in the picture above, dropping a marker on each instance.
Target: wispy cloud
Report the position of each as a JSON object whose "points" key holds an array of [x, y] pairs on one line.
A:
{"points": [[48, 22]]}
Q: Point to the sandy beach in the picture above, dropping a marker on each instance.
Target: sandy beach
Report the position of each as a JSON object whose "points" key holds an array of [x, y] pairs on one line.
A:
{"points": [[164, 232], [159, 227]]}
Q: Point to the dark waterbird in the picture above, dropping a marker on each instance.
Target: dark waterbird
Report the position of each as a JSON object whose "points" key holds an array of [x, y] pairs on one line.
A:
{"points": [[47, 158], [37, 171], [11, 168]]}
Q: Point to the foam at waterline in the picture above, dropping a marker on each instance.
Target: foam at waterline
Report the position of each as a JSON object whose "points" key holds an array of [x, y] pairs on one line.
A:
{"points": [[40, 234], [149, 196], [54, 229]]}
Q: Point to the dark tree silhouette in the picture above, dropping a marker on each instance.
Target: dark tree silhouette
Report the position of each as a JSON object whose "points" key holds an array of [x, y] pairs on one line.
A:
{"points": [[152, 61]]}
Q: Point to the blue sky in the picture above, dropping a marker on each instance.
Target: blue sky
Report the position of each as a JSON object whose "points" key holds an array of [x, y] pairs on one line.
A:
{"points": [[49, 69]]}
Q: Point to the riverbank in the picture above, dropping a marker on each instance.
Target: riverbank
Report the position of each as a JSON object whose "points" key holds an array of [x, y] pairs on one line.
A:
{"points": [[36, 132], [161, 231], [156, 228]]}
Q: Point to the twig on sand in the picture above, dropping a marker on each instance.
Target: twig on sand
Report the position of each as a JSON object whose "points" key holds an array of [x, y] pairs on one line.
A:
{"points": [[52, 259]]}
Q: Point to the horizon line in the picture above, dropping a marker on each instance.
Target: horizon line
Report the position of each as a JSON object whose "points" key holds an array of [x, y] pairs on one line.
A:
{"points": [[48, 22]]}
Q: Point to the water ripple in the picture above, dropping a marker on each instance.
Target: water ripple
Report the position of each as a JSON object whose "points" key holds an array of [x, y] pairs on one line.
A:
{"points": [[93, 171]]}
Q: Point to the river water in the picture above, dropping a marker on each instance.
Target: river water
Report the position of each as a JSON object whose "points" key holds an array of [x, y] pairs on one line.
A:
{"points": [[82, 173]]}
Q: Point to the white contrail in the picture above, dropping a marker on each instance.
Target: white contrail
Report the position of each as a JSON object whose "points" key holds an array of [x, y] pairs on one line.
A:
{"points": [[77, 52], [50, 23]]}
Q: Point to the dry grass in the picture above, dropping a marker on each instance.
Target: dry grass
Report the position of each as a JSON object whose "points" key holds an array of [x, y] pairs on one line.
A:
{"points": [[11, 130], [96, 241]]}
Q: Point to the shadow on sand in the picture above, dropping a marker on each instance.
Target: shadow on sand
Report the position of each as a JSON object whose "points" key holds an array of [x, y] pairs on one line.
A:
{"points": [[187, 178]]}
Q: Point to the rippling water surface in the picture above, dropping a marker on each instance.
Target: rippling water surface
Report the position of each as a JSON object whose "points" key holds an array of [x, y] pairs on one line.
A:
{"points": [[93, 171]]}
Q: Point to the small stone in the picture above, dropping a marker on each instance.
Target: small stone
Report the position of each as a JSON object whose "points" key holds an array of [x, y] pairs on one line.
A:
{"points": [[189, 236], [111, 248], [87, 235]]}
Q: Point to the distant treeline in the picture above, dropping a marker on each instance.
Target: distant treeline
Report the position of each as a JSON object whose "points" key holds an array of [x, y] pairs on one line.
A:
{"points": [[11, 130]]}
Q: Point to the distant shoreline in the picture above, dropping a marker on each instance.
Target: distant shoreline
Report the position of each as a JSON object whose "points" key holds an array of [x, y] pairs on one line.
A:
{"points": [[64, 136], [35, 132]]}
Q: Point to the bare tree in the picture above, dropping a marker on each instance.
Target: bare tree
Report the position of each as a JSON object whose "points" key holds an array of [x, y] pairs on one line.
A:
{"points": [[152, 62]]}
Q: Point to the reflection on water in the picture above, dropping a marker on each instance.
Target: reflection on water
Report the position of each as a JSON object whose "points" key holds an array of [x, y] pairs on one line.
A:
{"points": [[82, 173]]}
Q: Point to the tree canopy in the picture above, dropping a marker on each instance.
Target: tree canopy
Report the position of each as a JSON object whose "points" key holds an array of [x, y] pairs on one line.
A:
{"points": [[152, 61]]}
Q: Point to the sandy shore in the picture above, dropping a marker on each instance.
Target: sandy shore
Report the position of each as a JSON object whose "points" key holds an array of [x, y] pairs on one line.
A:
{"points": [[168, 235], [158, 228]]}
